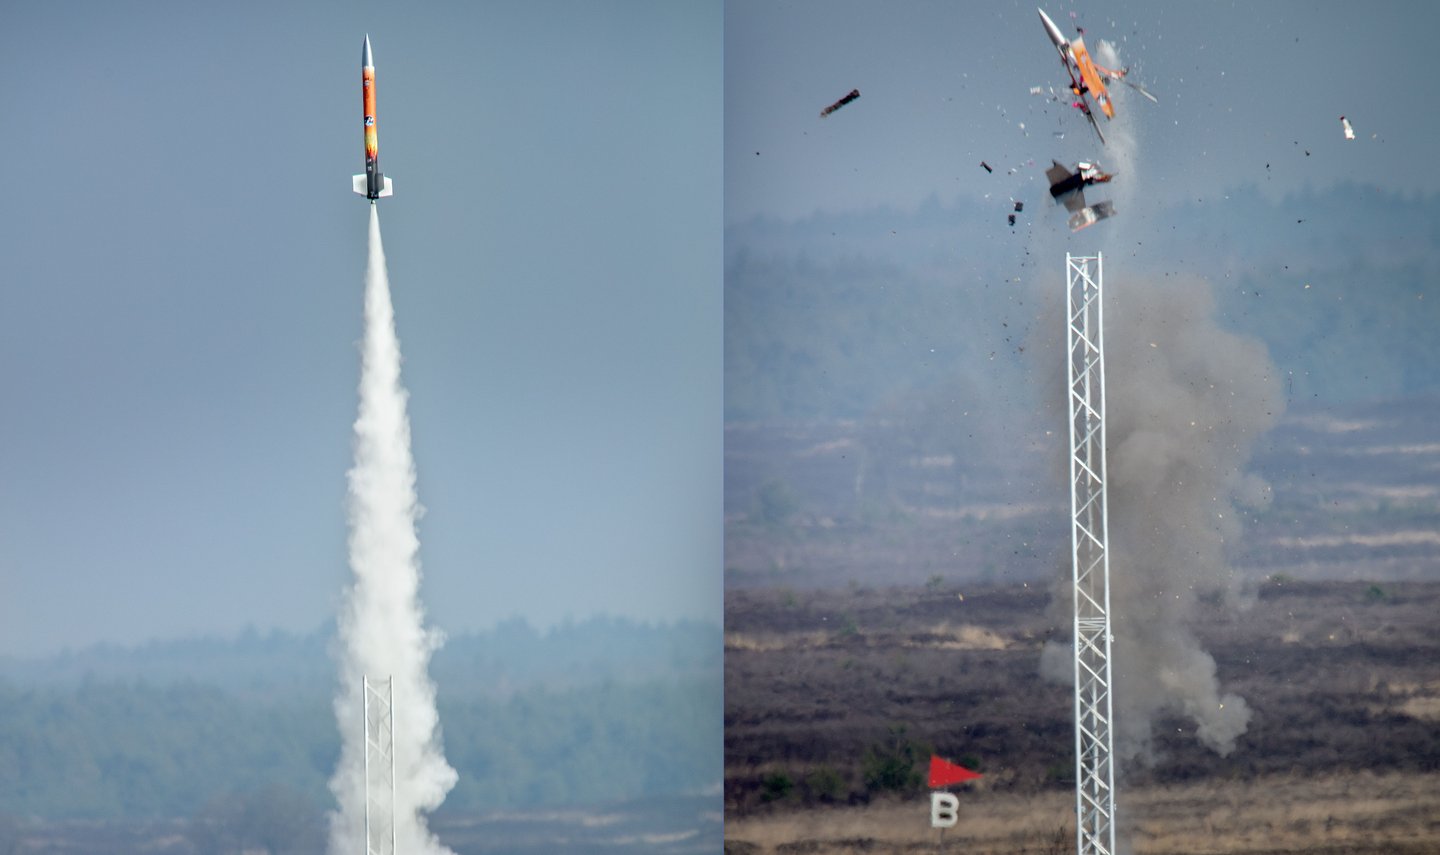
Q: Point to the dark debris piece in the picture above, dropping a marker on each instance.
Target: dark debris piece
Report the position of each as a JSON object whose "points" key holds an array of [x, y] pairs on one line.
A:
{"points": [[854, 93]]}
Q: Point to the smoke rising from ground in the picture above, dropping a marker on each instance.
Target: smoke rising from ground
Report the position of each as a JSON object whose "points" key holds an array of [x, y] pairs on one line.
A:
{"points": [[381, 622], [1186, 402]]}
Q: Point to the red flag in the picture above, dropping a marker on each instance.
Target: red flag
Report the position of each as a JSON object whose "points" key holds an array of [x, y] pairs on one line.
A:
{"points": [[943, 773]]}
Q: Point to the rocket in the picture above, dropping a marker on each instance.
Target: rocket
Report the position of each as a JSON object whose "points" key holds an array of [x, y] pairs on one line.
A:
{"points": [[1061, 43], [373, 184]]}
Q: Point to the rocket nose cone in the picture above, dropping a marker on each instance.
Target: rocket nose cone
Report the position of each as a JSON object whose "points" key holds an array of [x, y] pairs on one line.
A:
{"points": [[1051, 29], [366, 60]]}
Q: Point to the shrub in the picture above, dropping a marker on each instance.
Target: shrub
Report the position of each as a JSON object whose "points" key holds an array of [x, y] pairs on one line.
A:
{"points": [[890, 763], [825, 784], [775, 786]]}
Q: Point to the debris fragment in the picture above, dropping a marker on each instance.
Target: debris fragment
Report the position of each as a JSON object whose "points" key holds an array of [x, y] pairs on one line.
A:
{"points": [[1011, 218], [1068, 189], [987, 166], [1349, 131], [1019, 206], [854, 93], [1036, 90]]}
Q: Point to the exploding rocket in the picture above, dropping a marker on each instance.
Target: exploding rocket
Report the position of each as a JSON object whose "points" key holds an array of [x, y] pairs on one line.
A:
{"points": [[373, 184], [1061, 43]]}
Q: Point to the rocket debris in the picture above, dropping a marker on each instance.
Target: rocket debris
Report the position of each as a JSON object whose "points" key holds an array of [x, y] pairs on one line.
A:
{"points": [[1087, 79], [854, 93], [1019, 206], [1068, 189], [987, 166], [1349, 131]]}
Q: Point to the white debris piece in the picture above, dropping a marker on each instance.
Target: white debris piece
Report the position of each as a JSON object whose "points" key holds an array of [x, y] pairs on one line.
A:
{"points": [[1349, 131]]}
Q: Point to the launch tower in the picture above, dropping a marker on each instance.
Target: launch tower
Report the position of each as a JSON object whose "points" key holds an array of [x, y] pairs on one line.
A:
{"points": [[1089, 535], [379, 767]]}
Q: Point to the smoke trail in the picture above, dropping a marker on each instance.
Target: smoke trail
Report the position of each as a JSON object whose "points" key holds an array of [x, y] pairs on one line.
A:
{"points": [[1107, 54], [381, 624]]}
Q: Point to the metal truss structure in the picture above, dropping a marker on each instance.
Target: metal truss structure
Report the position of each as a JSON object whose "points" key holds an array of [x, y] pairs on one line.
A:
{"points": [[379, 767], [1089, 535]]}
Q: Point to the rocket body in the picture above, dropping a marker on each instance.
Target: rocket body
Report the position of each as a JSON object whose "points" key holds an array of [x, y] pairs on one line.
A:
{"points": [[373, 184], [1054, 32]]}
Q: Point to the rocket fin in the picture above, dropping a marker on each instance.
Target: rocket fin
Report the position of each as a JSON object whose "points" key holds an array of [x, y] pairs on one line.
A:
{"points": [[384, 190], [359, 182], [1086, 217]]}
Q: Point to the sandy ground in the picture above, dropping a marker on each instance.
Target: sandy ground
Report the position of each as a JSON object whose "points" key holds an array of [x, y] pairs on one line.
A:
{"points": [[1353, 814]]}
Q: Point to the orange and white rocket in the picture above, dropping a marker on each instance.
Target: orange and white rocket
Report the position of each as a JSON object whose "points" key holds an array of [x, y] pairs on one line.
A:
{"points": [[373, 184]]}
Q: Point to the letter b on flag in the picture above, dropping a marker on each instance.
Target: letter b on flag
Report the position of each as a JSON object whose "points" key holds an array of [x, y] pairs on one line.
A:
{"points": [[943, 810]]}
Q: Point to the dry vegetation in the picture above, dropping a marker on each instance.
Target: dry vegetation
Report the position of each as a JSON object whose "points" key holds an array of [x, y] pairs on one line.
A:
{"points": [[828, 692], [1352, 814]]}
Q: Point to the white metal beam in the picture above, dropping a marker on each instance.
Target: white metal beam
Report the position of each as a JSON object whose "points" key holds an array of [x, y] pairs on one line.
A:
{"points": [[1089, 538], [379, 767]]}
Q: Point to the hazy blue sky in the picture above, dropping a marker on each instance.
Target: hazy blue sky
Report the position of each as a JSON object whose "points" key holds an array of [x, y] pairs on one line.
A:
{"points": [[945, 85], [880, 197], [182, 302]]}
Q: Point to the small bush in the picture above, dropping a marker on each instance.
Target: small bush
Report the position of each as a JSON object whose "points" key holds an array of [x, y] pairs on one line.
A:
{"points": [[889, 765], [825, 784], [775, 786]]}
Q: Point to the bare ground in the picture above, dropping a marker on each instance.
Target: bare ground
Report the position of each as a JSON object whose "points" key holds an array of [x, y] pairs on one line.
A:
{"points": [[1355, 814], [1342, 754]]}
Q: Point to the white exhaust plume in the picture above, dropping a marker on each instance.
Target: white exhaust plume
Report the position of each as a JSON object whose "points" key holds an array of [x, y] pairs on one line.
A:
{"points": [[381, 623], [1108, 56]]}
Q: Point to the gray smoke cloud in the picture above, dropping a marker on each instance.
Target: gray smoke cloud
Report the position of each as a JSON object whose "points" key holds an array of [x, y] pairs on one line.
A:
{"points": [[1186, 401], [382, 630]]}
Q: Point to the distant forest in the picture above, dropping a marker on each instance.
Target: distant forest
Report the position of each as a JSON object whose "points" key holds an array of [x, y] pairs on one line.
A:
{"points": [[588, 712], [840, 316]]}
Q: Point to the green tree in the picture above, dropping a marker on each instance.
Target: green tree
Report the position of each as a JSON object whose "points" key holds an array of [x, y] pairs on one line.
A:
{"points": [[889, 764]]}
